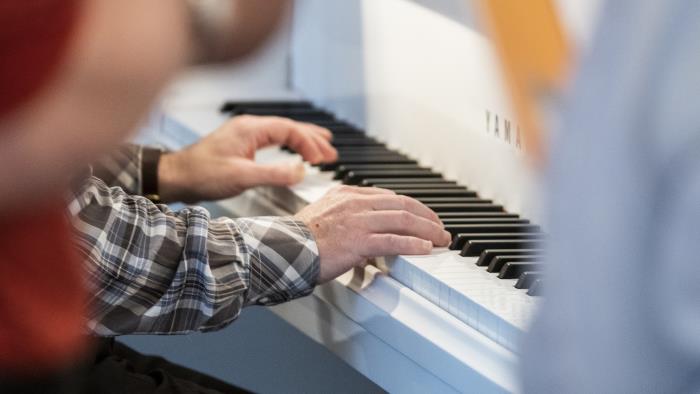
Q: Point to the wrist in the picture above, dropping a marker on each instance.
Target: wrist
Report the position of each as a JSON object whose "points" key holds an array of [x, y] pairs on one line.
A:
{"points": [[150, 161], [170, 174]]}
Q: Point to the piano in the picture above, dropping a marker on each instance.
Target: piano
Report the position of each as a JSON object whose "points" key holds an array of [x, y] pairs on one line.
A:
{"points": [[412, 93]]}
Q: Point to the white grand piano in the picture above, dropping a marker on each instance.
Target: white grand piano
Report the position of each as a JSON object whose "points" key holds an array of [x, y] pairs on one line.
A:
{"points": [[420, 77]]}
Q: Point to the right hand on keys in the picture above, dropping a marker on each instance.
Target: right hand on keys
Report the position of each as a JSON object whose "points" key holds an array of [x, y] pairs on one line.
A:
{"points": [[352, 224]]}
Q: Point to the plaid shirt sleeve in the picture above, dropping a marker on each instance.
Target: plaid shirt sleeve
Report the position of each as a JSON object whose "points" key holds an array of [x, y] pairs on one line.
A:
{"points": [[122, 168], [158, 271]]}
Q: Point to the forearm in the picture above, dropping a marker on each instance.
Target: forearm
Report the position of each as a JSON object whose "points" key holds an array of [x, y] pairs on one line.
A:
{"points": [[224, 30], [153, 270]]}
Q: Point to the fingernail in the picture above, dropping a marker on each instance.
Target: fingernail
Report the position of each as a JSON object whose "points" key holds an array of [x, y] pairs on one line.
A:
{"points": [[299, 172], [447, 236], [427, 246]]}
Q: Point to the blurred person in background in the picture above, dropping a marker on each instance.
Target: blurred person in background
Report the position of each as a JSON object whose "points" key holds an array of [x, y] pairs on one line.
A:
{"points": [[621, 312], [150, 269]]}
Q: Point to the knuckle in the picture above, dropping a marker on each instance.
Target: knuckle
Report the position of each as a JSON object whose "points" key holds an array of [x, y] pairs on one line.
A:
{"points": [[344, 189], [338, 189], [393, 241], [405, 219], [349, 189], [384, 191], [404, 202]]}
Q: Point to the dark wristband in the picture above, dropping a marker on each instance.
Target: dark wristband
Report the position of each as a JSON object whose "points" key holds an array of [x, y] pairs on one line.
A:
{"points": [[150, 158]]}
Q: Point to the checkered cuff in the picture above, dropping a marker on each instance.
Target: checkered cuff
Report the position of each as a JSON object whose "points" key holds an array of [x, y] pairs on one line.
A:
{"points": [[283, 257]]}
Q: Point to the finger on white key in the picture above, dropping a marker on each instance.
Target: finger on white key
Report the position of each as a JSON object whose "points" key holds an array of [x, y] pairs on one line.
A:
{"points": [[330, 154], [324, 132], [405, 223], [393, 244]]}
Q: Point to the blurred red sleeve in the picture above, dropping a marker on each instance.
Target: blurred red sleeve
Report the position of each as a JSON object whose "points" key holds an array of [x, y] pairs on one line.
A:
{"points": [[41, 288]]}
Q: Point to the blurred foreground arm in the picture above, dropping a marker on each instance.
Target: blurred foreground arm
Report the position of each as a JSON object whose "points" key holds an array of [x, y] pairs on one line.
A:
{"points": [[230, 29]]}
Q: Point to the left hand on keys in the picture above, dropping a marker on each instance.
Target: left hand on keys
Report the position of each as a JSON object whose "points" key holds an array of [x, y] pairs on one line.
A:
{"points": [[222, 164]]}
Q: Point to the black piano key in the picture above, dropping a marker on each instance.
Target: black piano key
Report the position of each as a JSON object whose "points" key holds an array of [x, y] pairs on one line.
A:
{"points": [[356, 177], [363, 151], [487, 255], [360, 156], [353, 136], [299, 117], [474, 214], [300, 114], [342, 170], [458, 200], [500, 228], [344, 130], [354, 143], [420, 172], [369, 151], [347, 146], [340, 143], [422, 193], [332, 124], [527, 278], [373, 158], [231, 106], [460, 239], [360, 148], [458, 221], [366, 160], [441, 186], [468, 207], [338, 127], [499, 261], [536, 287], [514, 269], [474, 248], [455, 228], [373, 181], [265, 111]]}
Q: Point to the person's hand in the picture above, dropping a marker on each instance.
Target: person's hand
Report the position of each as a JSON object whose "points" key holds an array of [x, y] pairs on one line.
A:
{"points": [[352, 224], [222, 164]]}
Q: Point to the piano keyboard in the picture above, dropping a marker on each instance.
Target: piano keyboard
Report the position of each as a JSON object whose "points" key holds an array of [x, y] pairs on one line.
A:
{"points": [[491, 273]]}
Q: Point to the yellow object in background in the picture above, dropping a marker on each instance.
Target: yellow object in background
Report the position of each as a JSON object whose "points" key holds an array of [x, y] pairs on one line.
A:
{"points": [[535, 56]]}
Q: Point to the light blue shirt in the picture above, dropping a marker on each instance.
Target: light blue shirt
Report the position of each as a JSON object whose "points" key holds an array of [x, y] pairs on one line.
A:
{"points": [[622, 308]]}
